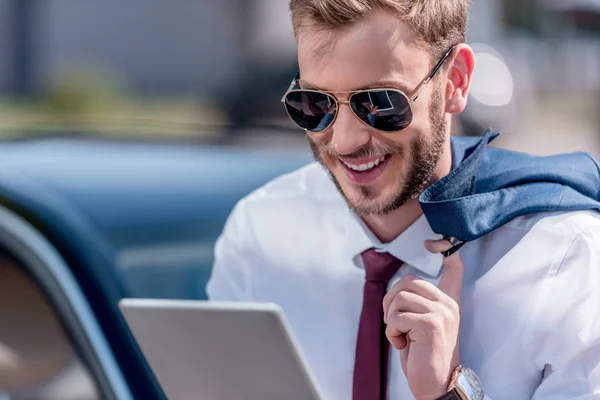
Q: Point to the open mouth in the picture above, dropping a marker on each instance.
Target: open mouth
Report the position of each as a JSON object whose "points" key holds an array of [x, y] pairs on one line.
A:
{"points": [[366, 172]]}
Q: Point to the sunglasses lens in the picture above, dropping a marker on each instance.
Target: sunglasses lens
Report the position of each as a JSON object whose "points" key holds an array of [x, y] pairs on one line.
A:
{"points": [[313, 111], [386, 110]]}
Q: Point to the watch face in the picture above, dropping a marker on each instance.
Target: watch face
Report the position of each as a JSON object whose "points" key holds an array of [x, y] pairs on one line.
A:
{"points": [[468, 382]]}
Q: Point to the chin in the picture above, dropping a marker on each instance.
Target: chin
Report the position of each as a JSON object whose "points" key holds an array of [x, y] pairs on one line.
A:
{"points": [[383, 203]]}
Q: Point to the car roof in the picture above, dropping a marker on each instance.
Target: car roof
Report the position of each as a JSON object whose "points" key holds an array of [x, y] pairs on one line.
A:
{"points": [[125, 186]]}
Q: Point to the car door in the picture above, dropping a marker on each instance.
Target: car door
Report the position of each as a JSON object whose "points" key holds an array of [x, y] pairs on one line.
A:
{"points": [[59, 338]]}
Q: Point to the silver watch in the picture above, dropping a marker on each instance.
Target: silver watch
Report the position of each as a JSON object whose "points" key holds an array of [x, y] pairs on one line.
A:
{"points": [[464, 385]]}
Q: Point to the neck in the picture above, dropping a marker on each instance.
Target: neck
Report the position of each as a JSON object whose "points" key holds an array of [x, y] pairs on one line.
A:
{"points": [[389, 226]]}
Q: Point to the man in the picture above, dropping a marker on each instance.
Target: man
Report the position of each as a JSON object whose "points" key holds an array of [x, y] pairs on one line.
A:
{"points": [[514, 313]]}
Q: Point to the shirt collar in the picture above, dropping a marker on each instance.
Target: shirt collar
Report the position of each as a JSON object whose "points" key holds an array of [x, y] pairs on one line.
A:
{"points": [[408, 246]]}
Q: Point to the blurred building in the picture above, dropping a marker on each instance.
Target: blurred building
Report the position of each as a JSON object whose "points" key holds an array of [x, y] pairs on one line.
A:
{"points": [[155, 45], [200, 45], [535, 57]]}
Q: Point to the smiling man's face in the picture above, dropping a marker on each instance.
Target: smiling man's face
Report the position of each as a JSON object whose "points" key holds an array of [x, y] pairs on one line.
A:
{"points": [[376, 172]]}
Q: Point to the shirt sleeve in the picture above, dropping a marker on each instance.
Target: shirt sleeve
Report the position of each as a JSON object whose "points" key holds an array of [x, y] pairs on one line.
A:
{"points": [[231, 278], [564, 335]]}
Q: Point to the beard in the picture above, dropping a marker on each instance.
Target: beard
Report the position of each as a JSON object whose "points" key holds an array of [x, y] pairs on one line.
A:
{"points": [[425, 151]]}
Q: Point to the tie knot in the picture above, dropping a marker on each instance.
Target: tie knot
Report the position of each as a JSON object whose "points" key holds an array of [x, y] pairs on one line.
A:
{"points": [[380, 267]]}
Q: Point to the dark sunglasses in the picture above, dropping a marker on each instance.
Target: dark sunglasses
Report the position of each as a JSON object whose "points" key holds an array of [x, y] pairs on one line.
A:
{"points": [[385, 109]]}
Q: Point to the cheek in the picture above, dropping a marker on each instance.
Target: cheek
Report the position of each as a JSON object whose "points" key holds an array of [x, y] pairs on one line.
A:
{"points": [[419, 126], [398, 166], [318, 138], [321, 139], [397, 141], [421, 114], [317, 142]]}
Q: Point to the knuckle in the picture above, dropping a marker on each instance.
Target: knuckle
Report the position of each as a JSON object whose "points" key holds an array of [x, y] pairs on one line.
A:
{"points": [[397, 317], [395, 324], [394, 304], [447, 315], [432, 324], [399, 320], [454, 307], [401, 297], [389, 296], [389, 299], [386, 300], [415, 284], [428, 287], [402, 301]]}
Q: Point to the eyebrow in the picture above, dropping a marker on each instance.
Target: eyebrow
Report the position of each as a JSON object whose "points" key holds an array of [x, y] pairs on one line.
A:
{"points": [[375, 85]]}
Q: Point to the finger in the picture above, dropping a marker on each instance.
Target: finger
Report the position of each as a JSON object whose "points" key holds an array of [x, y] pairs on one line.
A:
{"points": [[409, 302], [396, 338], [451, 281], [399, 342], [438, 246], [400, 324], [414, 284], [453, 273]]}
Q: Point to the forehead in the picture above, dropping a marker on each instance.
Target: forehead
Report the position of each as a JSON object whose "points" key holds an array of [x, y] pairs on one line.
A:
{"points": [[378, 48]]}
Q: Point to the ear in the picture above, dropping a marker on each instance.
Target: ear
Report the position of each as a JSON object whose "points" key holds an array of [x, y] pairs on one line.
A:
{"points": [[462, 64]]}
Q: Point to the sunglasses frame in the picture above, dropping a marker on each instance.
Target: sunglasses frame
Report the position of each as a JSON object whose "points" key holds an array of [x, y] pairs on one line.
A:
{"points": [[414, 95]]}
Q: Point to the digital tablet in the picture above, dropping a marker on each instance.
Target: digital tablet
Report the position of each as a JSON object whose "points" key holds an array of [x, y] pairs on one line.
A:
{"points": [[220, 350]]}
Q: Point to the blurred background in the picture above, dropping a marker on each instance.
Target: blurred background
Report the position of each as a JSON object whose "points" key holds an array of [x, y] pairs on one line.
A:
{"points": [[209, 68], [130, 129]]}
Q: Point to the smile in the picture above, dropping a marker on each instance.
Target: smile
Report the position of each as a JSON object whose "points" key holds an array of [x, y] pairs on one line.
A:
{"points": [[367, 166], [365, 171]]}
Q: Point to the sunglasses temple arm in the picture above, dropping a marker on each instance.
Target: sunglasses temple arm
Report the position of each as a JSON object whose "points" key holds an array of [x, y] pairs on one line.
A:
{"points": [[292, 85], [415, 94], [457, 245]]}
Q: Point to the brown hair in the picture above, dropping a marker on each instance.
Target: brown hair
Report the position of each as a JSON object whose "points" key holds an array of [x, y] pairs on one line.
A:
{"points": [[438, 24]]}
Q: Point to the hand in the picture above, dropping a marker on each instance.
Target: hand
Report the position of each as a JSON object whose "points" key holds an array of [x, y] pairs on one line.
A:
{"points": [[423, 323]]}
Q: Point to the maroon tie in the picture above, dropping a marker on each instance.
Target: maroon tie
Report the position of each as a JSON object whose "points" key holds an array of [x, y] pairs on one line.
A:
{"points": [[370, 365]]}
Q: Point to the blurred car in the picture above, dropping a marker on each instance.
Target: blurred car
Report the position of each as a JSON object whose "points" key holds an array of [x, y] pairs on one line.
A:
{"points": [[84, 223]]}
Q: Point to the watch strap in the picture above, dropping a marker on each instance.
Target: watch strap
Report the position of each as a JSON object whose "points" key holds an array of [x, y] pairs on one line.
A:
{"points": [[451, 395]]}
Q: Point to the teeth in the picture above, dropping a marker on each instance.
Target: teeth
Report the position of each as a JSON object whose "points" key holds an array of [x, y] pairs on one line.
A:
{"points": [[365, 167]]}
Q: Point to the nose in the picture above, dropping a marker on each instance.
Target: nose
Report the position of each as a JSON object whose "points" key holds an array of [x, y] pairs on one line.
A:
{"points": [[348, 134]]}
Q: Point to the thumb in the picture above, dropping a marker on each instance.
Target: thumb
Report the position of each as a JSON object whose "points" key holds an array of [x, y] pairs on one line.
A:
{"points": [[453, 272]]}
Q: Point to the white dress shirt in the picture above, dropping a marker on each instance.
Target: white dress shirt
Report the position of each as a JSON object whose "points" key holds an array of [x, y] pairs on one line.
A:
{"points": [[530, 312]]}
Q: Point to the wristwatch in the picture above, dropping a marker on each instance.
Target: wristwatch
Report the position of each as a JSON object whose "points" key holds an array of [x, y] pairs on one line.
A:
{"points": [[464, 385]]}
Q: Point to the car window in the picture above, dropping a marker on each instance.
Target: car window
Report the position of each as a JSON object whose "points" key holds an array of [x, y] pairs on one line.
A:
{"points": [[37, 358]]}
